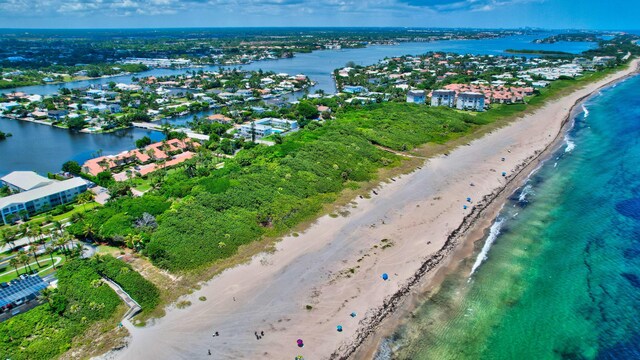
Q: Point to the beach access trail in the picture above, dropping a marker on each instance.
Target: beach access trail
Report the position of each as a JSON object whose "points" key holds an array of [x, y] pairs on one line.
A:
{"points": [[335, 266]]}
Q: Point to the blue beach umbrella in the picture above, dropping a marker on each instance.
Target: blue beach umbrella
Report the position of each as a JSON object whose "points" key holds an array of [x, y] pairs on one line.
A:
{"points": [[339, 328], [353, 314], [385, 276]]}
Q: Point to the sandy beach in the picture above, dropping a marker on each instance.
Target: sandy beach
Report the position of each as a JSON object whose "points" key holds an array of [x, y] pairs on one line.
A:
{"points": [[313, 282]]}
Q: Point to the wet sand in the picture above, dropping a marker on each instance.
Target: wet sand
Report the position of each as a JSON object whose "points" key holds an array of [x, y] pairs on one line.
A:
{"points": [[408, 230]]}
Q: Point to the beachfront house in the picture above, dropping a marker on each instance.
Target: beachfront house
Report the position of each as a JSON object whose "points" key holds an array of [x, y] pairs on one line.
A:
{"points": [[443, 98], [39, 199], [416, 96], [470, 101]]}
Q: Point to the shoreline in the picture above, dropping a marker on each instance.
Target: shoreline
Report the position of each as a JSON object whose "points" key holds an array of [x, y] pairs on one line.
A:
{"points": [[460, 244], [311, 282]]}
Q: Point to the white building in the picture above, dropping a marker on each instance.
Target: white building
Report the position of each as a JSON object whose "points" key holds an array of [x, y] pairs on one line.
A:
{"points": [[267, 126], [443, 98], [19, 181], [470, 101], [40, 199], [416, 96]]}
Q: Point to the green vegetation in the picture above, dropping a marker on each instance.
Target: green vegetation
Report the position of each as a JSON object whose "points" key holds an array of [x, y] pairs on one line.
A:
{"points": [[4, 136], [404, 126], [205, 216], [72, 167], [80, 300], [141, 290], [119, 219]]}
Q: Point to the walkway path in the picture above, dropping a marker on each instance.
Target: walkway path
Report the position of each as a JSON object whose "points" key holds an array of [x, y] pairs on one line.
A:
{"points": [[134, 307], [56, 260]]}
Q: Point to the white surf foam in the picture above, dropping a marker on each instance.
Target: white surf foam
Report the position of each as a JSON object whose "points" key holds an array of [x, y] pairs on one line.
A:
{"points": [[585, 111], [570, 144], [526, 191], [493, 235]]}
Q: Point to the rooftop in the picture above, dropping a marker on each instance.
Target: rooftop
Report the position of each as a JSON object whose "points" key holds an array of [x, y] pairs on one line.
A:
{"points": [[53, 188], [26, 180]]}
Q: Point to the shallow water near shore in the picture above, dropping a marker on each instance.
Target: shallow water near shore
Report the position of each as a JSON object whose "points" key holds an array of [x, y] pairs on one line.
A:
{"points": [[562, 276]]}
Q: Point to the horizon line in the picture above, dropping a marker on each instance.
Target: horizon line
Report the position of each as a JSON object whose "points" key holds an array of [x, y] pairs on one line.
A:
{"points": [[319, 27]]}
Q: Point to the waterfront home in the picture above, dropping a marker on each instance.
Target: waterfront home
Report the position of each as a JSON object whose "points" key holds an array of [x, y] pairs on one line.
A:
{"points": [[57, 114], [157, 151], [443, 98], [19, 181], [470, 101], [354, 89], [8, 106], [267, 126], [416, 96], [39, 199], [220, 118]]}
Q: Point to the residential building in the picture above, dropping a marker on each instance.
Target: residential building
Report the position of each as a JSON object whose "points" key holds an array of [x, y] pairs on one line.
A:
{"points": [[19, 181], [354, 89], [57, 114], [470, 101], [163, 150], [267, 126], [8, 106], [443, 98], [40, 199], [416, 96]]}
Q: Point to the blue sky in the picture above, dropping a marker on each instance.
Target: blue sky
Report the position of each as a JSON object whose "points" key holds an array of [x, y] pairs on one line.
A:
{"points": [[586, 14]]}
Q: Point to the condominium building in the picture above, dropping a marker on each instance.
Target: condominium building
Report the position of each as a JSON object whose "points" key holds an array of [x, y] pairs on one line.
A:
{"points": [[470, 101], [443, 98], [40, 199]]}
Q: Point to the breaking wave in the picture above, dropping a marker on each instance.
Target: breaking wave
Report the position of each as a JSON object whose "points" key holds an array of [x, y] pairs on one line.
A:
{"points": [[493, 235], [585, 111], [570, 144]]}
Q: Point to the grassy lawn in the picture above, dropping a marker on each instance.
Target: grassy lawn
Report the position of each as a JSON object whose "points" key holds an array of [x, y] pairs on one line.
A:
{"points": [[8, 273], [106, 249], [141, 184], [40, 218]]}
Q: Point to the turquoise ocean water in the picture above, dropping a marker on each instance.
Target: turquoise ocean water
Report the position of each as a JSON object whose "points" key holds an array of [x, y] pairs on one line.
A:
{"points": [[561, 279]]}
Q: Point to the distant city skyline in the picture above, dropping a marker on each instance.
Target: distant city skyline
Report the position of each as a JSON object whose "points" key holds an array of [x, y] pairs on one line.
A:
{"points": [[552, 14]]}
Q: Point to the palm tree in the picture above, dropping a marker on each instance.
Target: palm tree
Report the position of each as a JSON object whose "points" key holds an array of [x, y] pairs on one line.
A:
{"points": [[24, 259], [29, 233], [133, 241], [104, 164], [88, 231], [37, 232], [78, 250], [85, 198], [151, 152], [49, 251], [8, 237], [46, 295], [34, 251], [15, 262], [61, 243]]}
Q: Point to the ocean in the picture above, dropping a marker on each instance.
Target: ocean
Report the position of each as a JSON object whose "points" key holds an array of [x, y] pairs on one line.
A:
{"points": [[558, 274]]}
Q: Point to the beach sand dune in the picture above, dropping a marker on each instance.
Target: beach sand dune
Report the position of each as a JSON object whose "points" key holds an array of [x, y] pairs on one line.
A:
{"points": [[335, 267]]}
